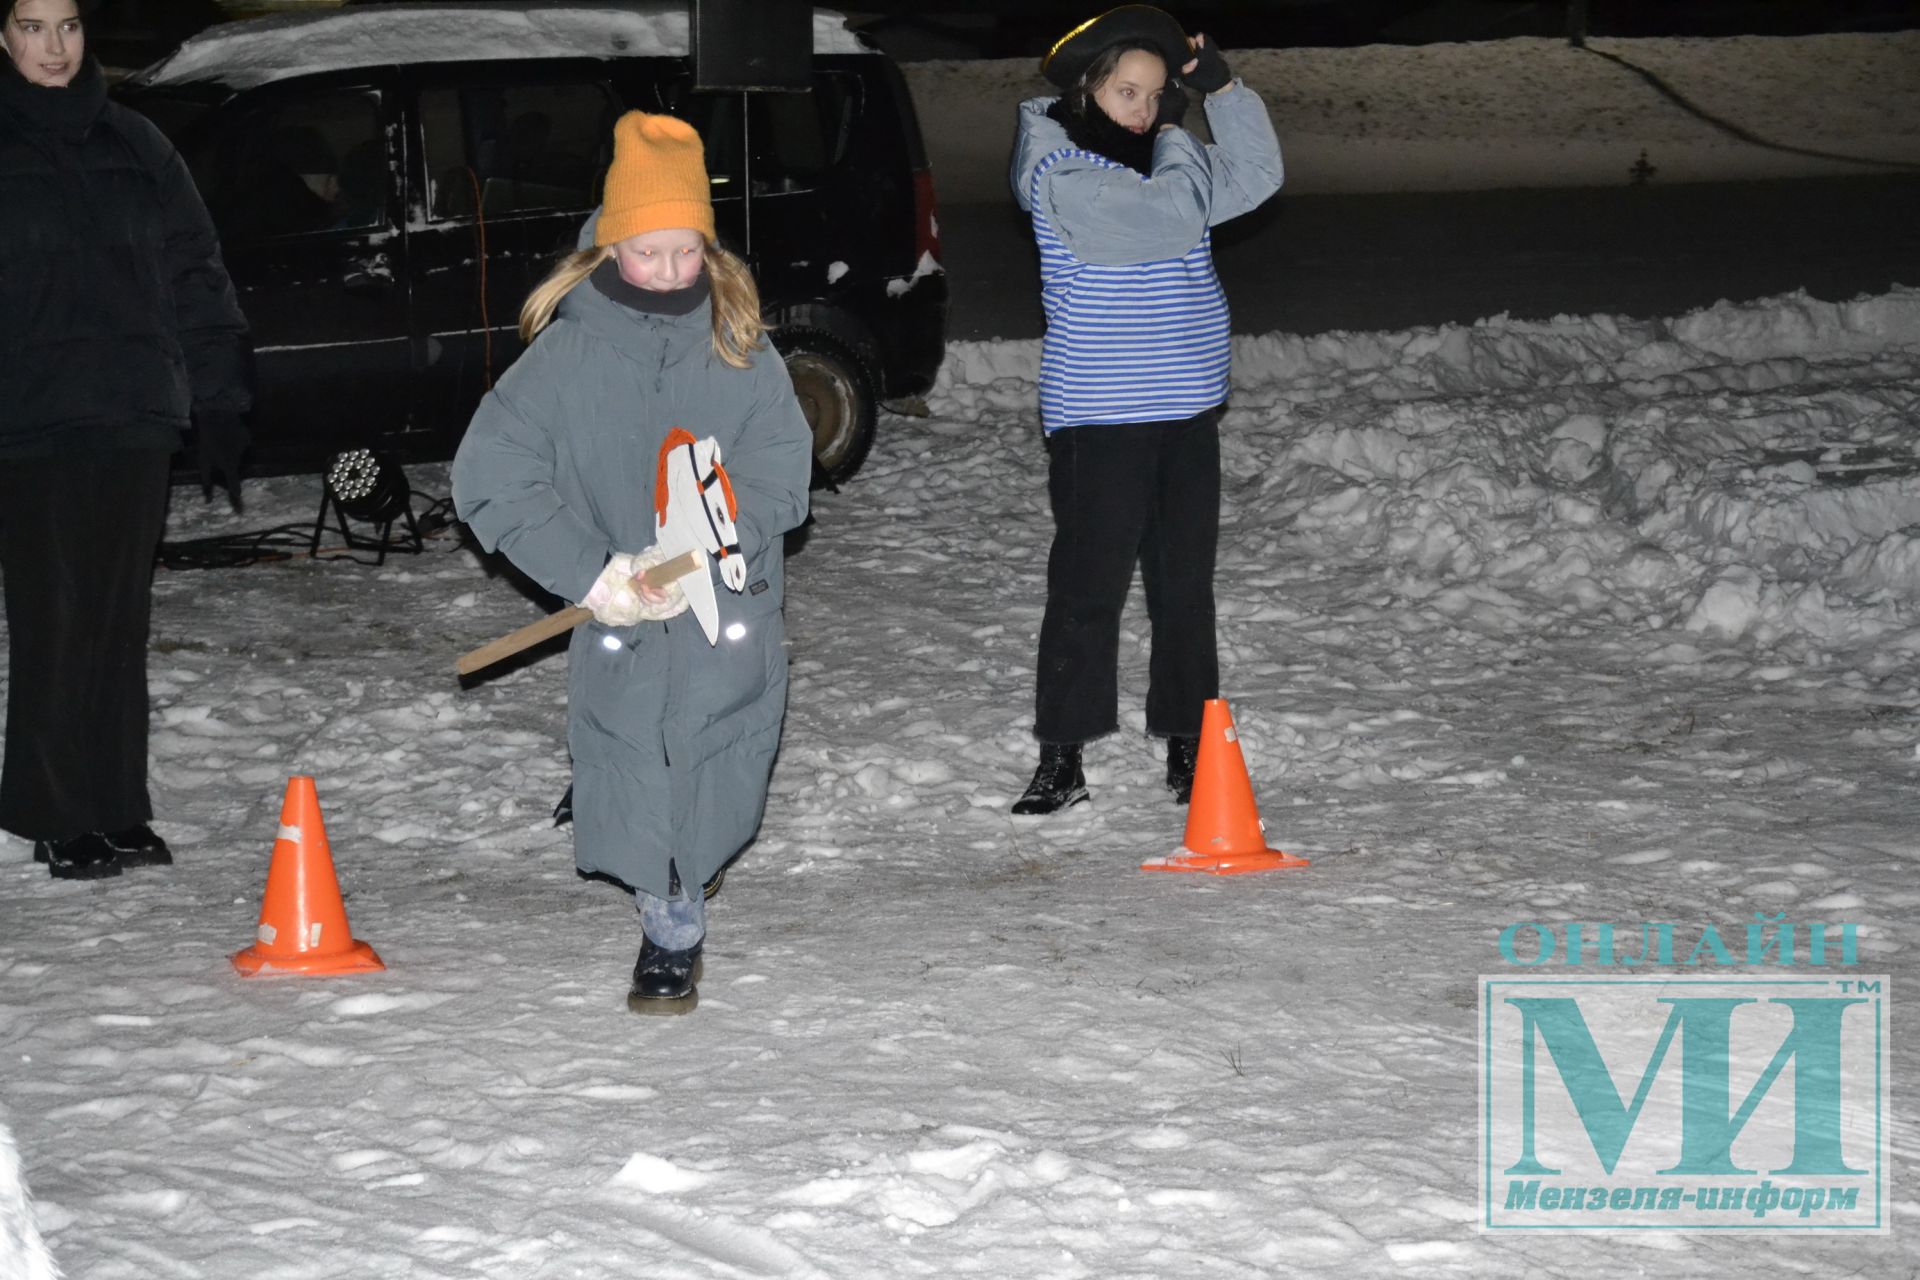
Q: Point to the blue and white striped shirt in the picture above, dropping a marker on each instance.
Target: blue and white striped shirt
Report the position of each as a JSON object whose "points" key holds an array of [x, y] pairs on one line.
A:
{"points": [[1144, 342]]}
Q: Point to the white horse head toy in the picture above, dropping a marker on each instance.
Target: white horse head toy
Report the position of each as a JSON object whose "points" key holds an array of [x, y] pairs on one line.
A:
{"points": [[694, 510]]}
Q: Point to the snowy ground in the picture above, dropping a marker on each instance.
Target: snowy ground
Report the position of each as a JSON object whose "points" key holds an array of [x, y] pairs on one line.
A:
{"points": [[1584, 620]]}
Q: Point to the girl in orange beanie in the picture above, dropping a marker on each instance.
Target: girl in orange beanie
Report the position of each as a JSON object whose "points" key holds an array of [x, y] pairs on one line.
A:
{"points": [[657, 208], [652, 329]]}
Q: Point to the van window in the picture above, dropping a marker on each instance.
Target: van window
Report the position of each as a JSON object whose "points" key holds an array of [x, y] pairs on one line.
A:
{"points": [[535, 148], [310, 164], [716, 117], [795, 137], [802, 135]]}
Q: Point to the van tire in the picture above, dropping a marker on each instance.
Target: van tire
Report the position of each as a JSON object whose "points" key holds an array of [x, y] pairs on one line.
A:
{"points": [[835, 387]]}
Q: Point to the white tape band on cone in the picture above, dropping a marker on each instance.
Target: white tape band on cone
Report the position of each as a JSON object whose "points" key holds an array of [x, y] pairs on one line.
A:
{"points": [[290, 833]]}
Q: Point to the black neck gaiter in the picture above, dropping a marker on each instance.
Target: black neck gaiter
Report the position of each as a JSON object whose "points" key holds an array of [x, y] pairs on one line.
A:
{"points": [[1096, 132], [654, 302]]}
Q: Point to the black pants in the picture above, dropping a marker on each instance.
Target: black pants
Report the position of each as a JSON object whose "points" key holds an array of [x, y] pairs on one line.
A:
{"points": [[1123, 492], [77, 539]]}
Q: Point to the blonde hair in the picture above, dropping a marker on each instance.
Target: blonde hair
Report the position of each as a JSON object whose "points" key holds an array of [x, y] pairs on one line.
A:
{"points": [[738, 330]]}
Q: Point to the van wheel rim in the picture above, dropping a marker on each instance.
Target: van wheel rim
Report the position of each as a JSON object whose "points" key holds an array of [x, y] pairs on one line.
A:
{"points": [[831, 403]]}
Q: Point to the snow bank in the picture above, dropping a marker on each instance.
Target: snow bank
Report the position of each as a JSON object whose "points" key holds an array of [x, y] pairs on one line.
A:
{"points": [[1732, 471], [1510, 113]]}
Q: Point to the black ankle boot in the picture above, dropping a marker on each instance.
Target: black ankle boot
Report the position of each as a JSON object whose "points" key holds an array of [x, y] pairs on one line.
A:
{"points": [[139, 846], [1056, 784], [663, 980], [84, 857], [1182, 755]]}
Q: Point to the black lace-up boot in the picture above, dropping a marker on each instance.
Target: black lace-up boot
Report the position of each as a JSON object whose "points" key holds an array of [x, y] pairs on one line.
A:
{"points": [[1056, 784], [140, 846], [1182, 755], [83, 857], [663, 981]]}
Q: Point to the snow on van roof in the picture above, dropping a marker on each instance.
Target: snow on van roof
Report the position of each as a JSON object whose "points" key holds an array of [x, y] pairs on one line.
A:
{"points": [[243, 54]]}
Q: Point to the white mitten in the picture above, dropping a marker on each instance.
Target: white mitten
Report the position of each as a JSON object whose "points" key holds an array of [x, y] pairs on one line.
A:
{"points": [[676, 601], [612, 597], [615, 598]]}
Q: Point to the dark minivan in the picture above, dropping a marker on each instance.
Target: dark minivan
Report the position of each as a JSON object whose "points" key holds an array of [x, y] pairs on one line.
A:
{"points": [[389, 182]]}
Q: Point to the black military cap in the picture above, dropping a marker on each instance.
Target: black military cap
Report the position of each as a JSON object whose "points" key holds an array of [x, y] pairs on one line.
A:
{"points": [[1074, 52]]}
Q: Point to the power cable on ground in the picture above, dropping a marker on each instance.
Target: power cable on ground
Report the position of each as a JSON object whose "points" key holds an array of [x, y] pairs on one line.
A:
{"points": [[283, 542], [1728, 127]]}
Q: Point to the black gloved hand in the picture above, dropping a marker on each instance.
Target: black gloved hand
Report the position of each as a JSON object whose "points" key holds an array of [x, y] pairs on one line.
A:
{"points": [[220, 438], [1173, 107], [1212, 73]]}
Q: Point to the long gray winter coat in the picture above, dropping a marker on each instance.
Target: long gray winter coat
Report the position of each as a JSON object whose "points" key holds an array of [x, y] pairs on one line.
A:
{"points": [[672, 739]]}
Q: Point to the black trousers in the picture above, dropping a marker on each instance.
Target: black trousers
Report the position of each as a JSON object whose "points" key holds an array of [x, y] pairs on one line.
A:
{"points": [[1126, 492], [77, 540]]}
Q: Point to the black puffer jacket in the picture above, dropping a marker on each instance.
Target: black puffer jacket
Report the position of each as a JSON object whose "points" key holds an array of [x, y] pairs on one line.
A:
{"points": [[117, 319]]}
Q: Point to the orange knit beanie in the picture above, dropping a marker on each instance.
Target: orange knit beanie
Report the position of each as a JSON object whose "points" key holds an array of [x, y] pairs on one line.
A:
{"points": [[658, 180]]}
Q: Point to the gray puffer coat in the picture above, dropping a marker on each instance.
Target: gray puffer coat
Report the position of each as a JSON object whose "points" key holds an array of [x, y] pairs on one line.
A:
{"points": [[673, 739]]}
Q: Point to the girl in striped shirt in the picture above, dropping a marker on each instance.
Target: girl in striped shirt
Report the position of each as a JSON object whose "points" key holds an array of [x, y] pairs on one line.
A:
{"points": [[1133, 370]]}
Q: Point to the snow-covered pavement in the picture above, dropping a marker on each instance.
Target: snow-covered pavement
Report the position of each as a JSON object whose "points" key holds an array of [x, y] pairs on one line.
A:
{"points": [[1579, 621]]}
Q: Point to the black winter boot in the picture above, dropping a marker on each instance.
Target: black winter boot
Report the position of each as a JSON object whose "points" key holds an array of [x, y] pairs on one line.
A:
{"points": [[140, 846], [83, 857], [1182, 755], [663, 980], [1057, 782]]}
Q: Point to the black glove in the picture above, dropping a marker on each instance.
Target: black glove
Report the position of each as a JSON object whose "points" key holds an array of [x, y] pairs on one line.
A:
{"points": [[1212, 73], [1173, 107], [220, 437]]}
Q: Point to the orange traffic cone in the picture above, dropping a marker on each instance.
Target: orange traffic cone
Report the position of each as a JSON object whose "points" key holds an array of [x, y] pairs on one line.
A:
{"points": [[1225, 836], [303, 925]]}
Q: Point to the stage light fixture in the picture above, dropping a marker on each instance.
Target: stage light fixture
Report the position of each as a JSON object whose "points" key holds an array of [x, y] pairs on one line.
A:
{"points": [[368, 486]]}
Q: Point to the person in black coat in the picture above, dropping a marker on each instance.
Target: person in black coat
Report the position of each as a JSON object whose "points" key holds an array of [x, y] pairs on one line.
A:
{"points": [[119, 328]]}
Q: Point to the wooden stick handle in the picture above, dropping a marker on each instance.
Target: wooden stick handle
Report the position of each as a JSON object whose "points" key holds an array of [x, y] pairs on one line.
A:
{"points": [[525, 638], [673, 570], [566, 619]]}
